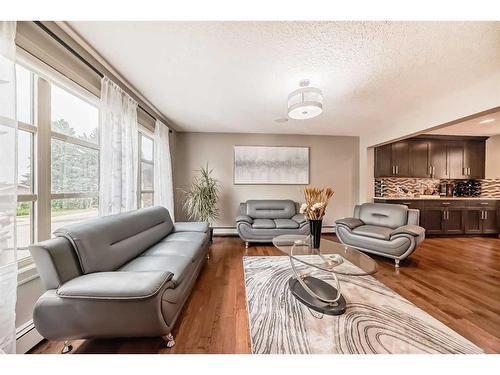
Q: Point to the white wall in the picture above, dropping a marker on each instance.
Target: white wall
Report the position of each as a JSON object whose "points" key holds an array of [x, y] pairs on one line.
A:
{"points": [[333, 162]]}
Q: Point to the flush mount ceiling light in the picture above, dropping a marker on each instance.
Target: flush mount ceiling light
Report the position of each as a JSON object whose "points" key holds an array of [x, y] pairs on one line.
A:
{"points": [[488, 120], [305, 102]]}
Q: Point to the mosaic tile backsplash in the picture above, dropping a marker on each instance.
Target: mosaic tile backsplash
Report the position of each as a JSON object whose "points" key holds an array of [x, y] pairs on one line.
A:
{"points": [[397, 186]]}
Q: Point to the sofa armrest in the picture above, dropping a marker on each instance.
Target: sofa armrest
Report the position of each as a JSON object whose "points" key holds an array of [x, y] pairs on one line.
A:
{"points": [[350, 222], [115, 285], [412, 230], [197, 226], [299, 218], [244, 218]]}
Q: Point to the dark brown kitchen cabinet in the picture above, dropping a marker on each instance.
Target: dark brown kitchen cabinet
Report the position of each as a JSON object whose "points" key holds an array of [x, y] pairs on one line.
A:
{"points": [[473, 217], [455, 216], [400, 157], [474, 159], [489, 223], [392, 160], [454, 221], [438, 159], [383, 165], [455, 155], [481, 217], [452, 218], [446, 157], [432, 219], [420, 152]]}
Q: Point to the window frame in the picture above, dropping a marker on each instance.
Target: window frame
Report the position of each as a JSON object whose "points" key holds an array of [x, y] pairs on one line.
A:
{"points": [[32, 130], [41, 139], [143, 132]]}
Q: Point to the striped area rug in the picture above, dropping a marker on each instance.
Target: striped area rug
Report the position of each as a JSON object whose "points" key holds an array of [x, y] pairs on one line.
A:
{"points": [[377, 319]]}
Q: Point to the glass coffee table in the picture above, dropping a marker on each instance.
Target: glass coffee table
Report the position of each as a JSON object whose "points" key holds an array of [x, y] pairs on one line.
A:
{"points": [[331, 259]]}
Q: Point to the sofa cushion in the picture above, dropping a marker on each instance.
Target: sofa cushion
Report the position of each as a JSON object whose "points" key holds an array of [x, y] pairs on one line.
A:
{"points": [[412, 230], [383, 214], [106, 243], [179, 265], [373, 231], [286, 224], [197, 237], [263, 224], [195, 226], [350, 222], [193, 249], [114, 285], [270, 209], [299, 218]]}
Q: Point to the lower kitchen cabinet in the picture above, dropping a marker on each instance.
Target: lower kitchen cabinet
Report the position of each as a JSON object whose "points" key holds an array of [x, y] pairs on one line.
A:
{"points": [[473, 217], [490, 222], [455, 217], [433, 220], [454, 222]]}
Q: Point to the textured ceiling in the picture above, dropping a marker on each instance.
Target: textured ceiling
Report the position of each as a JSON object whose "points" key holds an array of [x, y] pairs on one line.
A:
{"points": [[235, 76], [473, 126]]}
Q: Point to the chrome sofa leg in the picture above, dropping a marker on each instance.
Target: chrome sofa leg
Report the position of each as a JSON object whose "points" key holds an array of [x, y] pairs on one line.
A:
{"points": [[169, 339], [246, 245], [396, 261], [66, 348]]}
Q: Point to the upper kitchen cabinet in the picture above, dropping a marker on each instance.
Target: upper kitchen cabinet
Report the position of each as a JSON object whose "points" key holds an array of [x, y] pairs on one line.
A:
{"points": [[383, 165], [392, 160], [420, 153], [474, 159], [400, 158], [455, 155], [430, 156], [438, 159]]}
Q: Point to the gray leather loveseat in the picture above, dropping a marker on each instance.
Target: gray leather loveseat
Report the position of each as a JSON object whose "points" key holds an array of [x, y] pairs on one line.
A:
{"points": [[390, 230], [262, 220], [122, 275]]}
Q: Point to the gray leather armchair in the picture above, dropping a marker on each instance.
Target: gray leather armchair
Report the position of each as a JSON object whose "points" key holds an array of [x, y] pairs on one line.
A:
{"points": [[123, 275], [262, 220], [389, 230]]}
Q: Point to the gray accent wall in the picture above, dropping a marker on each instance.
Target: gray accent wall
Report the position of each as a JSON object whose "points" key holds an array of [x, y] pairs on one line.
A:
{"points": [[333, 162]]}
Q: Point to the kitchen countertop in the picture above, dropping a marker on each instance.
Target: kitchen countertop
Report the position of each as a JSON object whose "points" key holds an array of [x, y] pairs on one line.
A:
{"points": [[436, 199]]}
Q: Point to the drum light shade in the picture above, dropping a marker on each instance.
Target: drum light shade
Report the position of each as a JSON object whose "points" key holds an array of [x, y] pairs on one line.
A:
{"points": [[305, 103]]}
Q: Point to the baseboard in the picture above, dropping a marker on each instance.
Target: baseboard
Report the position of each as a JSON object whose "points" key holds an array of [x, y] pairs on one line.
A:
{"points": [[231, 231], [27, 337]]}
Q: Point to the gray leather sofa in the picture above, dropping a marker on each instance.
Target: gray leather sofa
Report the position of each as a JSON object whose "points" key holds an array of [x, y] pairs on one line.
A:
{"points": [[390, 230], [262, 220], [123, 275]]}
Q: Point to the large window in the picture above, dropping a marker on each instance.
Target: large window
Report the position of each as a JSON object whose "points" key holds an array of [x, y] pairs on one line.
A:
{"points": [[74, 158], [58, 157], [146, 170]]}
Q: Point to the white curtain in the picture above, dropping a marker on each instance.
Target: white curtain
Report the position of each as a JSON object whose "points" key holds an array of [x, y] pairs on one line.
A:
{"points": [[119, 149], [163, 185], [8, 187]]}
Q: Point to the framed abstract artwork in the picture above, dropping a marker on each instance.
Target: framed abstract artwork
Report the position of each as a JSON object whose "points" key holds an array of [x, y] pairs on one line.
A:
{"points": [[272, 165]]}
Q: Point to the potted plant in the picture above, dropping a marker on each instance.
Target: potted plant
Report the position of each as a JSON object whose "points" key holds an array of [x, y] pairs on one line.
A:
{"points": [[314, 209], [201, 198]]}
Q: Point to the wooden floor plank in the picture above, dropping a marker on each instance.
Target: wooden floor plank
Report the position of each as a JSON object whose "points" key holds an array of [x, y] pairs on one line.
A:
{"points": [[456, 280]]}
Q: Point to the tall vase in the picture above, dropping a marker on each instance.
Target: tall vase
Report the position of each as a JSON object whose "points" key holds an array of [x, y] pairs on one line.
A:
{"points": [[315, 228]]}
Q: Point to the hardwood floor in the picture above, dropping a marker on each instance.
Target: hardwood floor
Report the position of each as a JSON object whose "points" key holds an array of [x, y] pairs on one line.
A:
{"points": [[456, 280]]}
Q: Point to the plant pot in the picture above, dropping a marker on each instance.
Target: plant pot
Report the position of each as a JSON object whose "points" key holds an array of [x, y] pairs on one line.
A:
{"points": [[315, 229]]}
